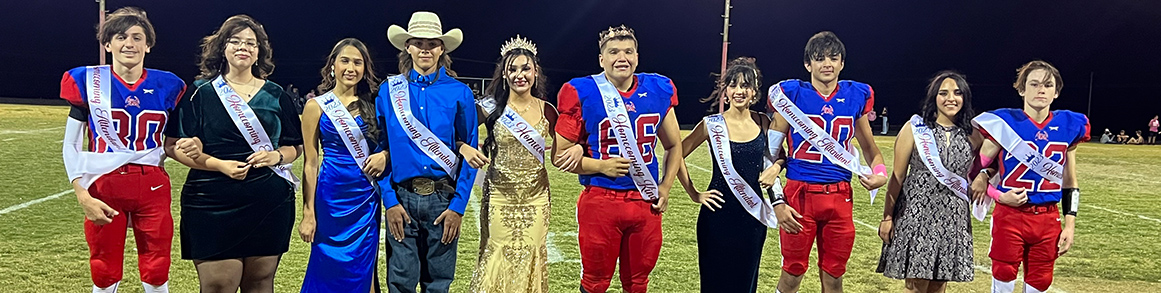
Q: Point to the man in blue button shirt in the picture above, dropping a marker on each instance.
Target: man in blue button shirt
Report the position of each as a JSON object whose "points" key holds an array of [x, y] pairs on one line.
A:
{"points": [[423, 112]]}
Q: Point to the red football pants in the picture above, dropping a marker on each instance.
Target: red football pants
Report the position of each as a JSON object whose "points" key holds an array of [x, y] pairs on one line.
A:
{"points": [[1028, 235], [612, 224], [827, 215], [140, 194]]}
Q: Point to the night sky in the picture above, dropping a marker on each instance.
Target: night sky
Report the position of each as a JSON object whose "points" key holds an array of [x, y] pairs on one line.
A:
{"points": [[895, 46]]}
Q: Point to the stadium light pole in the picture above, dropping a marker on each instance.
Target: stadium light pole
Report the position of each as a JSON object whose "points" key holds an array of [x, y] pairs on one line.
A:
{"points": [[101, 23], [725, 47], [1090, 76]]}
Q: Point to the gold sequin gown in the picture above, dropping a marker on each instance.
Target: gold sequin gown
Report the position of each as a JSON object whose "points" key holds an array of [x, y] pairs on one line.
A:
{"points": [[514, 219]]}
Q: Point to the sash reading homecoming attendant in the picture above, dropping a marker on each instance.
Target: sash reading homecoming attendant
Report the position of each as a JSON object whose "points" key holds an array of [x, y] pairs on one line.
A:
{"points": [[120, 178], [1036, 150], [825, 114], [618, 116], [237, 205], [731, 228], [425, 111]]}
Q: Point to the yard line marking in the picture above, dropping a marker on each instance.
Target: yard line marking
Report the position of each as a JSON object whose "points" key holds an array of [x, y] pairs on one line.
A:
{"points": [[554, 255], [474, 207], [1126, 214], [13, 138], [32, 202], [7, 131], [699, 168]]}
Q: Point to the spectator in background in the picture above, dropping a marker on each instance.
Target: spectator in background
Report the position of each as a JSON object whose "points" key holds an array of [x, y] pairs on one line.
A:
{"points": [[476, 90], [296, 98], [1122, 138], [311, 94], [1108, 137], [1153, 125], [1138, 139], [885, 125]]}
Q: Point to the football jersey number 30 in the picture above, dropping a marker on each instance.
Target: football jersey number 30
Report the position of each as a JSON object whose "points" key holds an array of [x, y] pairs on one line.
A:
{"points": [[145, 129], [646, 130]]}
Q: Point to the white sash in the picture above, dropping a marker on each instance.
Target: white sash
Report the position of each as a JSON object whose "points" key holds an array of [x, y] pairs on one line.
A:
{"points": [[1011, 142], [755, 204], [419, 134], [529, 137], [626, 138], [97, 85], [250, 127], [929, 153], [818, 138], [348, 129]]}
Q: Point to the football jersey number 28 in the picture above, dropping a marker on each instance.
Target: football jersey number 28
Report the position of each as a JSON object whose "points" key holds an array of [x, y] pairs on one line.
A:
{"points": [[646, 131], [1015, 178], [806, 152], [145, 129]]}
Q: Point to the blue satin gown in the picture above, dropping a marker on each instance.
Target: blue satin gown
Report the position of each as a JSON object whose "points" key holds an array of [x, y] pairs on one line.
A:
{"points": [[345, 248]]}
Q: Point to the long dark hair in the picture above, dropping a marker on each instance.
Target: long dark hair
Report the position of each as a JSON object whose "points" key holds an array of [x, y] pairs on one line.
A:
{"points": [[499, 90], [367, 88], [741, 69], [213, 59], [930, 110]]}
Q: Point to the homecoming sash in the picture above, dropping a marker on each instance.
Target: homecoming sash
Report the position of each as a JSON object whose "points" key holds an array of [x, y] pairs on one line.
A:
{"points": [[719, 138], [1017, 147], [348, 129], [626, 138], [929, 153], [419, 134], [529, 137], [99, 107], [250, 127], [819, 139]]}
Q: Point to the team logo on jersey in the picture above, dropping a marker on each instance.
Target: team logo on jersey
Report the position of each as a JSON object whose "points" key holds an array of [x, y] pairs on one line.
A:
{"points": [[1042, 135], [630, 107], [642, 95], [827, 109], [132, 101], [1054, 128], [148, 91]]}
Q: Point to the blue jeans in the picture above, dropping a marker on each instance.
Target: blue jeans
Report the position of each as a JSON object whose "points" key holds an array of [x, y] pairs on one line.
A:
{"points": [[884, 125], [421, 259]]}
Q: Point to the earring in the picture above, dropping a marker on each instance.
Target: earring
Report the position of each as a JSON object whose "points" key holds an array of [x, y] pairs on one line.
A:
{"points": [[332, 73]]}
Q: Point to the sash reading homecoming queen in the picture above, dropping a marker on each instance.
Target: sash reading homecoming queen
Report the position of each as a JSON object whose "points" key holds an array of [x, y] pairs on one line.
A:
{"points": [[626, 138], [529, 137], [929, 154], [419, 134], [250, 127], [819, 139], [719, 138], [348, 128]]}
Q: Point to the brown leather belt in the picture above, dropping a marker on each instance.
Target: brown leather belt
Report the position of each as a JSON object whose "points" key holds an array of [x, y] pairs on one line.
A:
{"points": [[427, 186]]}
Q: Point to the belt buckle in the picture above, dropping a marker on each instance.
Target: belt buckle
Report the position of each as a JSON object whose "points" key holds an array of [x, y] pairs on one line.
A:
{"points": [[423, 186]]}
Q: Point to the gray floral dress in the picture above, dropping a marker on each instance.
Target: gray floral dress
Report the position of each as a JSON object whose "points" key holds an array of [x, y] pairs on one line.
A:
{"points": [[933, 233]]}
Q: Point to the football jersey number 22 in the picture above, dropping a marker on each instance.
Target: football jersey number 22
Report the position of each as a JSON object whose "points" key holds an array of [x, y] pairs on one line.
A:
{"points": [[1015, 178], [806, 152], [646, 131]]}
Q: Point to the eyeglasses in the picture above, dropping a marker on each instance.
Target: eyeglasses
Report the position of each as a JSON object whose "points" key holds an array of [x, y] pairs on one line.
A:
{"points": [[238, 43]]}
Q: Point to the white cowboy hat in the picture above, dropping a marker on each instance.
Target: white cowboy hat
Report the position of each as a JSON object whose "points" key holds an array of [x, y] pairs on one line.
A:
{"points": [[424, 25]]}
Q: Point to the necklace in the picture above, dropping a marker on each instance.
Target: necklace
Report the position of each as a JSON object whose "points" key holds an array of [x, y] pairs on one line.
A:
{"points": [[527, 106], [248, 93]]}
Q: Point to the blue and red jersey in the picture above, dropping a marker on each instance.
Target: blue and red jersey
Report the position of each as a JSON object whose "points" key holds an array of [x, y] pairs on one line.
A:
{"points": [[1060, 131], [583, 120], [139, 110], [835, 114]]}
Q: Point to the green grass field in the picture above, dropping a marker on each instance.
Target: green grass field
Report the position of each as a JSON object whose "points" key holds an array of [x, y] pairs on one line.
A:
{"points": [[42, 247]]}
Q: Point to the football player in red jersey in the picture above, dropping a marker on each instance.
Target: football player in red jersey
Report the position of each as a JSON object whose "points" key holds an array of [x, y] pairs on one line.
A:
{"points": [[120, 178]]}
